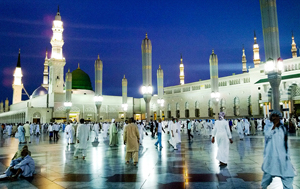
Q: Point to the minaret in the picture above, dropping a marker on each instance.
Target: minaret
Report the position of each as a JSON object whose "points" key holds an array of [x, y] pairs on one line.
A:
{"points": [[270, 29], [214, 81], [98, 85], [181, 75], [147, 73], [294, 48], [124, 96], [244, 61], [68, 101], [45, 79], [17, 85], [256, 57], [6, 105], [1, 107], [160, 82], [57, 61], [160, 88]]}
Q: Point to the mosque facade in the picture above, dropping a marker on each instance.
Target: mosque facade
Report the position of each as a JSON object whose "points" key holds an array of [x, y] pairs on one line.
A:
{"points": [[240, 95]]}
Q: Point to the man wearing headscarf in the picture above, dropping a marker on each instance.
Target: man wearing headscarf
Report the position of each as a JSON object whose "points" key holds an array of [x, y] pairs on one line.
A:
{"points": [[222, 132], [113, 134], [277, 162], [240, 129], [131, 140]]}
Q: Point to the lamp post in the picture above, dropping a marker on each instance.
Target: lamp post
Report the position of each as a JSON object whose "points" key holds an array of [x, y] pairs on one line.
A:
{"points": [[215, 97], [274, 69], [68, 106], [147, 94]]}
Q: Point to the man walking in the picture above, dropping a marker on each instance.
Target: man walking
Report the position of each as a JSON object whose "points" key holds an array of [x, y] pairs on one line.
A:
{"points": [[27, 132], [82, 137], [159, 130], [189, 128], [277, 162], [131, 140]]}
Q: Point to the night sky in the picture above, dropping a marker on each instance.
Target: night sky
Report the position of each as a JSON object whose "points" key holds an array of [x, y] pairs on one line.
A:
{"points": [[115, 30]]}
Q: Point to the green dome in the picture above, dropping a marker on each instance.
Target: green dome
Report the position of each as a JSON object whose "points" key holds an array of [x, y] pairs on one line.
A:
{"points": [[81, 80]]}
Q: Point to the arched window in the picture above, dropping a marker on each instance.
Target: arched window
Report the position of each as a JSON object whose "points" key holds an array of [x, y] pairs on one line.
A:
{"points": [[169, 111], [249, 106], [177, 110], [223, 105], [236, 106], [210, 109], [197, 109], [187, 111]]}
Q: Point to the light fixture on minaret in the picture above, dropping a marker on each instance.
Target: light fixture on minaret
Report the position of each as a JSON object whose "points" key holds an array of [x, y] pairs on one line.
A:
{"points": [[294, 47], [244, 61], [256, 57], [57, 61], [98, 85], [181, 75], [46, 73], [18, 85]]}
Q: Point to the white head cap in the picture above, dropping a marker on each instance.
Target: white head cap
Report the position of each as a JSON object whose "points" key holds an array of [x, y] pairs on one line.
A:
{"points": [[113, 120]]}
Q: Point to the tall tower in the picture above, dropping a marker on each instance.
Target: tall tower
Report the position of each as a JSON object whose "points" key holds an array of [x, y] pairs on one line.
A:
{"points": [[214, 81], [294, 48], [160, 88], [57, 61], [68, 101], [124, 95], [45, 78], [6, 105], [1, 107], [98, 85], [270, 28], [17, 85], [256, 57], [147, 73], [244, 61], [181, 75]]}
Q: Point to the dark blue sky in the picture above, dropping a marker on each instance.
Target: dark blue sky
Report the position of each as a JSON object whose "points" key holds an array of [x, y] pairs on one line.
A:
{"points": [[115, 30]]}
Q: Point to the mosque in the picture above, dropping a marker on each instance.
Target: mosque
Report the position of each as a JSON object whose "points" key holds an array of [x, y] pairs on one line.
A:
{"points": [[71, 96]]}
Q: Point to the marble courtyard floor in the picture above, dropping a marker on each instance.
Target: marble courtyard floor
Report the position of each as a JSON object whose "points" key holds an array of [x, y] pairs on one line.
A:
{"points": [[193, 165]]}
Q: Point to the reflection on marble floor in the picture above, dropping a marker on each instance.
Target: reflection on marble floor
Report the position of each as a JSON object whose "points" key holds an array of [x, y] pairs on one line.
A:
{"points": [[192, 166]]}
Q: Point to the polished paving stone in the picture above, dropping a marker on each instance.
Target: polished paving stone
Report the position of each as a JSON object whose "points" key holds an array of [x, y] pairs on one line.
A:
{"points": [[193, 165]]}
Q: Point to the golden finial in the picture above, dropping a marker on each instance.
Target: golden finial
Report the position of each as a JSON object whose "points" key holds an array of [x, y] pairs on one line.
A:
{"points": [[98, 57], [124, 76], [146, 35], [78, 66]]}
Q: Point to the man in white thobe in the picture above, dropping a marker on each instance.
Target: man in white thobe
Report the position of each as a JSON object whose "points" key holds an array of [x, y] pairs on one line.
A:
{"points": [[240, 129], [82, 137], [247, 127], [113, 134], [69, 130], [172, 129], [178, 133], [105, 128], [277, 162], [222, 134], [96, 129], [141, 129]]}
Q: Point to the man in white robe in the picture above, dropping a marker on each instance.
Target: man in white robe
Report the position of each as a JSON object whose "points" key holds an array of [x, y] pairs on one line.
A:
{"points": [[82, 136], [141, 129], [172, 128], [277, 162], [247, 127], [222, 134], [240, 129], [69, 130], [113, 134], [96, 129], [178, 133], [105, 128], [9, 129], [23, 165]]}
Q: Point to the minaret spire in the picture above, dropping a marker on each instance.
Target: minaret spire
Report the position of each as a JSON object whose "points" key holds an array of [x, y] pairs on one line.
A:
{"points": [[46, 73], [17, 84], [294, 47], [244, 61], [181, 74], [256, 57]]}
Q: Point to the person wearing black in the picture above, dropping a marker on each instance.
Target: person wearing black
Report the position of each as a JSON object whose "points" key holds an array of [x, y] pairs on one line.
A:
{"points": [[152, 128], [189, 128]]}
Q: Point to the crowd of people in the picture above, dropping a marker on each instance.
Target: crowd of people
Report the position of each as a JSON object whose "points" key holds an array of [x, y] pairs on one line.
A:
{"points": [[133, 133]]}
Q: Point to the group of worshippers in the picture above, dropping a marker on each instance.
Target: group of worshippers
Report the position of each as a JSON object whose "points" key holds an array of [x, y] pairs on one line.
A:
{"points": [[21, 164]]}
